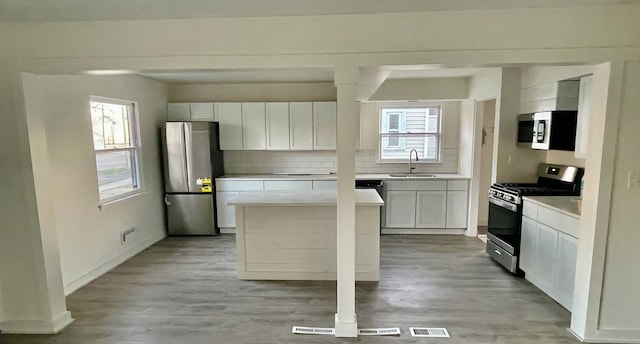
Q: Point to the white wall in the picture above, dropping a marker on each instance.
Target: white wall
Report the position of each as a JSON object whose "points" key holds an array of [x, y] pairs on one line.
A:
{"points": [[620, 304], [89, 239], [513, 164], [422, 89]]}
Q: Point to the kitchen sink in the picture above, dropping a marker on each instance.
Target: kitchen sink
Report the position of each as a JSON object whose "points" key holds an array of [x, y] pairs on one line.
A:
{"points": [[413, 175]]}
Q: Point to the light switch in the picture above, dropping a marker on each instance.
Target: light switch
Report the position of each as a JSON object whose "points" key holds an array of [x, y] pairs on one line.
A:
{"points": [[634, 180]]}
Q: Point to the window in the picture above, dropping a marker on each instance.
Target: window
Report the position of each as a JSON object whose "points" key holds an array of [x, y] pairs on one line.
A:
{"points": [[405, 128], [116, 141]]}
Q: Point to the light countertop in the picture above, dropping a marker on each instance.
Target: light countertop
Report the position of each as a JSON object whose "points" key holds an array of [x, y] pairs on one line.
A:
{"points": [[296, 176], [565, 204], [302, 198]]}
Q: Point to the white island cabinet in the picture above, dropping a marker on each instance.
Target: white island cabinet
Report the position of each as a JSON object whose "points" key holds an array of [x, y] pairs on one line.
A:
{"points": [[549, 245], [291, 235]]}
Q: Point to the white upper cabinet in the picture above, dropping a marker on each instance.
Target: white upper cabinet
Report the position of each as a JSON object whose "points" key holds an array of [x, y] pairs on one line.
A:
{"points": [[324, 125], [277, 126], [254, 133], [185, 112], [202, 112], [178, 112], [301, 126], [584, 116], [230, 117]]}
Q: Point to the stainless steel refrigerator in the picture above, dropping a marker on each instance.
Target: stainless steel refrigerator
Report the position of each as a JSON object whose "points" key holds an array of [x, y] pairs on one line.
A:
{"points": [[192, 161]]}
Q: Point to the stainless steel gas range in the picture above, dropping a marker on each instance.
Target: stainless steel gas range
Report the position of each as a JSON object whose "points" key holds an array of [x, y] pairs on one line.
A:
{"points": [[505, 209]]}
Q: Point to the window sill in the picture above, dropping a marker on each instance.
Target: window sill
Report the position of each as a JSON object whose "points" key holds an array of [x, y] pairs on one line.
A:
{"points": [[405, 162], [125, 199]]}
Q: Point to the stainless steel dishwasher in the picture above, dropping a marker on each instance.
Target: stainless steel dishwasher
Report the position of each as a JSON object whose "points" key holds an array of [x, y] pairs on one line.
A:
{"points": [[377, 185]]}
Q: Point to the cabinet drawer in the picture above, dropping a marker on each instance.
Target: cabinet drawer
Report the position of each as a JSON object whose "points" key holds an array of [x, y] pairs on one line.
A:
{"points": [[288, 185], [457, 185], [564, 223], [530, 210], [417, 185], [239, 185]]}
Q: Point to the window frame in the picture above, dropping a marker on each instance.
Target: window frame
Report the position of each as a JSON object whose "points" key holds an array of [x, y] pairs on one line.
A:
{"points": [[135, 148], [408, 106]]}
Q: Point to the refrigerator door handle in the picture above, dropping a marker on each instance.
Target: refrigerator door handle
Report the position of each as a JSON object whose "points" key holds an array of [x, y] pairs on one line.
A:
{"points": [[166, 200]]}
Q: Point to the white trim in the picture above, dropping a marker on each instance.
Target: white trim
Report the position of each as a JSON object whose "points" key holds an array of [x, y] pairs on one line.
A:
{"points": [[227, 230], [36, 326], [452, 231], [124, 198], [109, 265]]}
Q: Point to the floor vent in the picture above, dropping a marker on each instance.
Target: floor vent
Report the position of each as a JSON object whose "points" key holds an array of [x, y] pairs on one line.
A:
{"points": [[313, 330], [393, 331], [429, 332]]}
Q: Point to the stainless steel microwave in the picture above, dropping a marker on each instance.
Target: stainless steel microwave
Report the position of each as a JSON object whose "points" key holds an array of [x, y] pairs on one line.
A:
{"points": [[554, 130], [525, 130]]}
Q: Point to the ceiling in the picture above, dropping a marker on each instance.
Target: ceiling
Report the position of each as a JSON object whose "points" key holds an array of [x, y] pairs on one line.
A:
{"points": [[95, 10], [293, 74]]}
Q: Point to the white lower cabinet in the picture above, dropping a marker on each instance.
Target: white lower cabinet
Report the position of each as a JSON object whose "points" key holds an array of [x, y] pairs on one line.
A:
{"points": [[226, 213], [437, 204], [431, 207], [401, 209], [566, 269], [457, 203], [548, 255]]}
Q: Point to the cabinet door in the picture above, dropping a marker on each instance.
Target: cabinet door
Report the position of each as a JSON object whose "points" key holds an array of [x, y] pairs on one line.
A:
{"points": [[230, 117], [178, 112], [457, 202], [527, 247], [401, 209], [254, 126], [324, 125], [301, 126], [545, 262], [202, 112], [584, 116], [566, 269], [277, 126], [226, 213], [431, 208]]}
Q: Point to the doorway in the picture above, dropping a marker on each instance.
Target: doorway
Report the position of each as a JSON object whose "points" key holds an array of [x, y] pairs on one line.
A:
{"points": [[486, 163]]}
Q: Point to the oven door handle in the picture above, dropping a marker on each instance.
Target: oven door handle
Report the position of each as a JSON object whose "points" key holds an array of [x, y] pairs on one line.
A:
{"points": [[503, 204]]}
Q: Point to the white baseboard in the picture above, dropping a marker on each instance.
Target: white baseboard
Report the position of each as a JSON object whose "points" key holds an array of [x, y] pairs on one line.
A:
{"points": [[611, 336], [456, 231], [36, 326], [112, 263], [346, 329], [228, 230]]}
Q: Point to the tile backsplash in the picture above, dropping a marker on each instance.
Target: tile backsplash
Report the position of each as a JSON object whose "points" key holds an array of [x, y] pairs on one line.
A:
{"points": [[240, 162]]}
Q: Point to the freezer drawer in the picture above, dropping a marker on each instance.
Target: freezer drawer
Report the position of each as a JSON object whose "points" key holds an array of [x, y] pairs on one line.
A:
{"points": [[190, 214]]}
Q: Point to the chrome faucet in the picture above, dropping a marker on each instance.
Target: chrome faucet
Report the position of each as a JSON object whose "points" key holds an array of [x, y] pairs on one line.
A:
{"points": [[412, 167]]}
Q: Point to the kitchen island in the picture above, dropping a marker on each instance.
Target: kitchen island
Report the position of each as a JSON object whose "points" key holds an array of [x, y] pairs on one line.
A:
{"points": [[291, 235]]}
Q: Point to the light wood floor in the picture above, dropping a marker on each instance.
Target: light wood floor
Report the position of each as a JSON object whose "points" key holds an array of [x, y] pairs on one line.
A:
{"points": [[184, 290]]}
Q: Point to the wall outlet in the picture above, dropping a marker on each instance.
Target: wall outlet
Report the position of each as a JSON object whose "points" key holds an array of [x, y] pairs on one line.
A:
{"points": [[127, 235], [634, 180]]}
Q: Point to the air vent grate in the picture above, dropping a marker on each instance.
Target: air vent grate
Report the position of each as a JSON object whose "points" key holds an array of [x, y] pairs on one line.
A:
{"points": [[429, 332], [313, 330], [393, 331]]}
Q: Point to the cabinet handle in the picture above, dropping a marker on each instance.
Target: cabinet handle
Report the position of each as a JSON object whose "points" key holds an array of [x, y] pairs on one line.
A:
{"points": [[166, 201], [497, 252]]}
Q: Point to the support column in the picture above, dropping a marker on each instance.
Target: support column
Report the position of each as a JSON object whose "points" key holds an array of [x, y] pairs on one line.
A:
{"points": [[31, 298], [346, 80]]}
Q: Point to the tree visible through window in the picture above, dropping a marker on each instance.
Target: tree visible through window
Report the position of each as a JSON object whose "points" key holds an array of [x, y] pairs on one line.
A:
{"points": [[117, 147], [404, 129]]}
